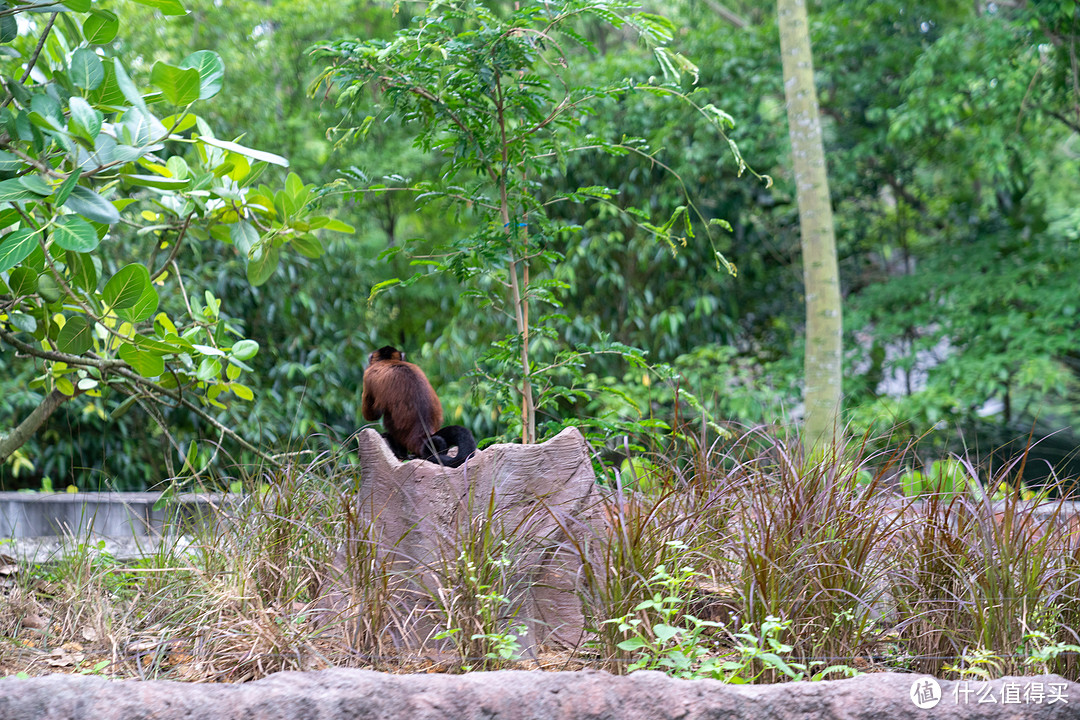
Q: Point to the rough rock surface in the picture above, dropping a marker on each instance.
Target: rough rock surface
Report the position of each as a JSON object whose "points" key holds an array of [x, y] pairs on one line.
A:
{"points": [[342, 694], [537, 503]]}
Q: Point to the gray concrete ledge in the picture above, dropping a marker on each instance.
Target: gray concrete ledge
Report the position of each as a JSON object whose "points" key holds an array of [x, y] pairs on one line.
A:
{"points": [[519, 695]]}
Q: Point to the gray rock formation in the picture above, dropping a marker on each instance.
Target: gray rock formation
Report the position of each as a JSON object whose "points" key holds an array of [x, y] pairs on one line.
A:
{"points": [[532, 507], [519, 695]]}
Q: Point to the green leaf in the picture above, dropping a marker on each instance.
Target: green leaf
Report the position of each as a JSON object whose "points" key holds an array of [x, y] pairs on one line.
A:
{"points": [[23, 281], [36, 184], [179, 86], [245, 349], [14, 191], [145, 363], [242, 391], [308, 246], [127, 286], [120, 410], [79, 6], [16, 246], [23, 322], [632, 644], [209, 369], [9, 28], [245, 151], [82, 269], [76, 337], [86, 70], [9, 162], [100, 27], [85, 120], [144, 307], [156, 346], [243, 235], [71, 232], [66, 187], [126, 87], [338, 226], [262, 263], [166, 7], [211, 71], [90, 205], [664, 632], [157, 181]]}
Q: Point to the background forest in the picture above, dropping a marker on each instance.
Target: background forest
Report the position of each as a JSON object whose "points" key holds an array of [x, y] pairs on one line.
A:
{"points": [[950, 133]]}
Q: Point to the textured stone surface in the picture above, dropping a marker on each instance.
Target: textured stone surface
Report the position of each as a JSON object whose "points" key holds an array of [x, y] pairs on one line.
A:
{"points": [[513, 695], [532, 497]]}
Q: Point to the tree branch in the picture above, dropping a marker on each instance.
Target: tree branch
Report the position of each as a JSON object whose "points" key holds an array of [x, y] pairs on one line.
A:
{"points": [[17, 438]]}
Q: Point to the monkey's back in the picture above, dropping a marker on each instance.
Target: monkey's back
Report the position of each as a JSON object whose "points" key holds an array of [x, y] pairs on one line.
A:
{"points": [[403, 396]]}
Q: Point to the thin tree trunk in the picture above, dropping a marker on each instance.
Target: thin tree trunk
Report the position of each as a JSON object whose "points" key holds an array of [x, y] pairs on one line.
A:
{"points": [[823, 366], [26, 429]]}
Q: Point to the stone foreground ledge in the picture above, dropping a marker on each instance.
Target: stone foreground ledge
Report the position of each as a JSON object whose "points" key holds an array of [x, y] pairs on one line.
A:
{"points": [[516, 695]]}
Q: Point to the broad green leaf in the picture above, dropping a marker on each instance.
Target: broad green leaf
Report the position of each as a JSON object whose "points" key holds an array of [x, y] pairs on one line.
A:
{"points": [[64, 385], [85, 120], [243, 235], [664, 632], [9, 162], [36, 184], [209, 369], [123, 82], [9, 28], [120, 410], [16, 246], [242, 391], [86, 70], [23, 322], [144, 307], [82, 269], [47, 113], [166, 7], [79, 6], [338, 226], [127, 286], [100, 27], [23, 281], [14, 191], [180, 86], [245, 151], [90, 205], [209, 350], [245, 349], [298, 193], [156, 346], [66, 187], [157, 181], [71, 232], [76, 337], [211, 71], [308, 246], [145, 363], [181, 123], [48, 289], [262, 263], [632, 644]]}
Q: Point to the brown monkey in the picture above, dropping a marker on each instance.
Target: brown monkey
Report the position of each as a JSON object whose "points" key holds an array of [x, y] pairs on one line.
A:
{"points": [[400, 394]]}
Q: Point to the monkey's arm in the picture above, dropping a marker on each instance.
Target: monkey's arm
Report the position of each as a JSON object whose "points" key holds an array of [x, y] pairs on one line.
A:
{"points": [[367, 406]]}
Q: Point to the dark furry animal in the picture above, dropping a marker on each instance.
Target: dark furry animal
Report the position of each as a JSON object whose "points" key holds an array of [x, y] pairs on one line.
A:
{"points": [[399, 393]]}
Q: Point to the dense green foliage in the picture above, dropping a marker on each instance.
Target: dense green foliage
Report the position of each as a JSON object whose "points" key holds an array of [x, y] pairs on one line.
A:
{"points": [[949, 132]]}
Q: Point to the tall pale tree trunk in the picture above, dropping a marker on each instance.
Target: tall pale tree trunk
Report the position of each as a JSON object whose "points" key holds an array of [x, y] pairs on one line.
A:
{"points": [[823, 367]]}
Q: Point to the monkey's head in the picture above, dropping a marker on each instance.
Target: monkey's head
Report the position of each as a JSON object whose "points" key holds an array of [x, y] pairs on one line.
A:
{"points": [[386, 352]]}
